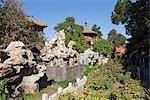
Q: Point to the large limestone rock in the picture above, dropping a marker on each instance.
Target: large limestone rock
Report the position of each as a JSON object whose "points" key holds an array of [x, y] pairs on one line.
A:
{"points": [[102, 60], [28, 84], [5, 70], [16, 45], [18, 65], [59, 40], [61, 60], [60, 56], [71, 44], [89, 57]]}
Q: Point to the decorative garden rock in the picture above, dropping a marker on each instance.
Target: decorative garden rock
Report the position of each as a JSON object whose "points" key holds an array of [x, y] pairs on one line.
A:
{"points": [[61, 61], [60, 55], [18, 65], [89, 57]]}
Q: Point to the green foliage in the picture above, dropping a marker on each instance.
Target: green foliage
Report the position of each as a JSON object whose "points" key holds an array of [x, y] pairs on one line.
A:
{"points": [[3, 90], [108, 82], [36, 96], [81, 47], [73, 32], [97, 29], [135, 16], [64, 83], [15, 25], [116, 39], [89, 69], [121, 12], [103, 46]]}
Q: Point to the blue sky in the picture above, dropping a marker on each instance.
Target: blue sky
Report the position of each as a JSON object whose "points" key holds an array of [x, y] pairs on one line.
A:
{"points": [[53, 12]]}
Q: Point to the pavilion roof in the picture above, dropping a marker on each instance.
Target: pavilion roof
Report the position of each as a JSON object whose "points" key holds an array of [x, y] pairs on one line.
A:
{"points": [[39, 23], [87, 30]]}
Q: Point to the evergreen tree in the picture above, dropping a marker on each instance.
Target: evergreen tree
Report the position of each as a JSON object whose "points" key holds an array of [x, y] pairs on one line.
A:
{"points": [[15, 25], [115, 38], [135, 16], [73, 32], [97, 29]]}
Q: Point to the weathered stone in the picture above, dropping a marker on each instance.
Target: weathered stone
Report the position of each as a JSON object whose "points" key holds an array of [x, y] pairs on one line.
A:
{"points": [[21, 67], [102, 60], [14, 46], [61, 57], [3, 56], [17, 68], [5, 70], [28, 84], [71, 44], [16, 60], [89, 57]]}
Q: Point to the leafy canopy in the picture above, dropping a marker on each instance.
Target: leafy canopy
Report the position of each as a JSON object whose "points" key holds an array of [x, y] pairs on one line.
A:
{"points": [[103, 46], [15, 25], [135, 16], [73, 32], [116, 38], [97, 29]]}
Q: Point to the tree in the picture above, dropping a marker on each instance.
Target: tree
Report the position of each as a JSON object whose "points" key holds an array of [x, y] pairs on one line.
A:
{"points": [[135, 16], [112, 35], [15, 25], [73, 32], [116, 38], [97, 29]]}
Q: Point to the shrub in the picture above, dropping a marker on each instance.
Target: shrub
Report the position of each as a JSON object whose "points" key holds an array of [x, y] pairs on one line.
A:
{"points": [[108, 82], [89, 69], [50, 89], [103, 46], [64, 83], [3, 90]]}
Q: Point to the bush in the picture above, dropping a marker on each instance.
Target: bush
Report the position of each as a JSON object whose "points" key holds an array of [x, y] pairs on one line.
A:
{"points": [[50, 89], [108, 82], [103, 46], [64, 83], [3, 90], [89, 69]]}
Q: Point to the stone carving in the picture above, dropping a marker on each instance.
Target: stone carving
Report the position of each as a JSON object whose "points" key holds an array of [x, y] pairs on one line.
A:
{"points": [[19, 66]]}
